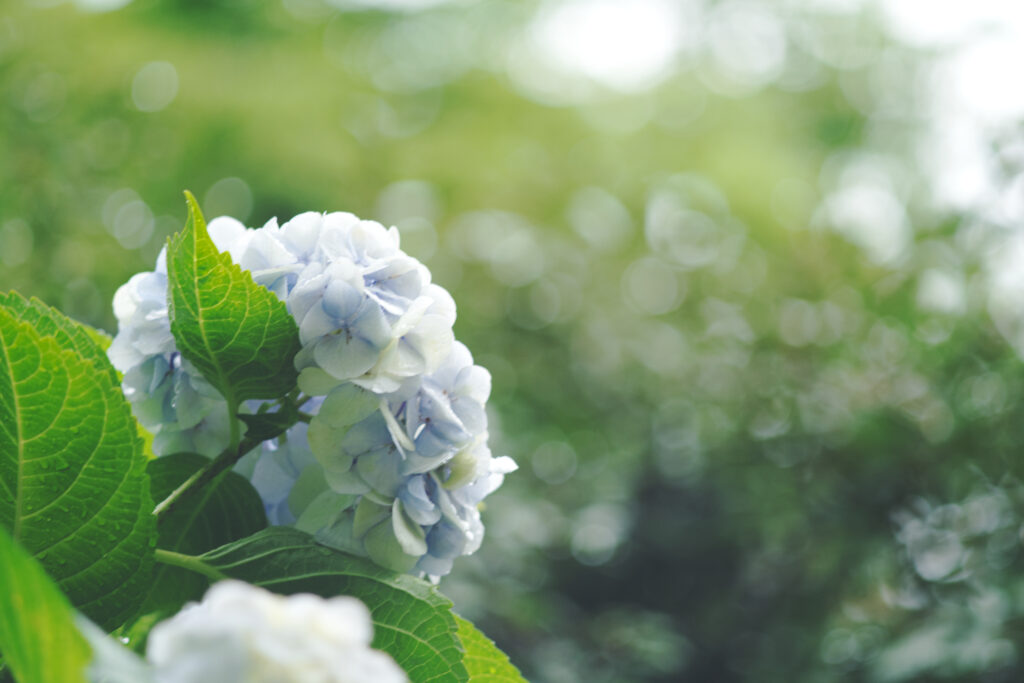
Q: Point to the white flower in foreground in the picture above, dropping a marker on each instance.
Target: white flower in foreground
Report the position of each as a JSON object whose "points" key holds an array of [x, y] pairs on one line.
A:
{"points": [[243, 634]]}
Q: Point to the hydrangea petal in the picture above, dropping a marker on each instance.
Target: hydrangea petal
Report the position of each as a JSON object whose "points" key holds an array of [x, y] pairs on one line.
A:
{"points": [[345, 357]]}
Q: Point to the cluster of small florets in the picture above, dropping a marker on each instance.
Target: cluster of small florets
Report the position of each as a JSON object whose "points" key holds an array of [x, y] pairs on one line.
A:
{"points": [[168, 396], [394, 462], [246, 634]]}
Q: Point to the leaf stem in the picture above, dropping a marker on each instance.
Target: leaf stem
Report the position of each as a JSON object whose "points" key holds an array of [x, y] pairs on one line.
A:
{"points": [[223, 462], [233, 422], [189, 562]]}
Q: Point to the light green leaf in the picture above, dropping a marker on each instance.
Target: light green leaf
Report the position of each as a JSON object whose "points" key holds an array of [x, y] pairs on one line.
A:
{"points": [[90, 343], [38, 638], [101, 338], [225, 510], [484, 661], [412, 621], [73, 486], [236, 332]]}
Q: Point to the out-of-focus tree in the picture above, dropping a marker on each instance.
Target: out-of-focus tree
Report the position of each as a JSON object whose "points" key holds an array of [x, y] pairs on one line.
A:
{"points": [[752, 337]]}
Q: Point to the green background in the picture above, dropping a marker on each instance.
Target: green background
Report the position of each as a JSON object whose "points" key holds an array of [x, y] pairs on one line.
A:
{"points": [[750, 449]]}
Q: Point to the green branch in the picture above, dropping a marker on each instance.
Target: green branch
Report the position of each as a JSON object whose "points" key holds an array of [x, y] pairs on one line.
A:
{"points": [[189, 562], [233, 422], [222, 463]]}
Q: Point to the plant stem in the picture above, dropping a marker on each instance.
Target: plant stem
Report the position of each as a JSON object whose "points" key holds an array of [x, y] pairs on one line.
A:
{"points": [[223, 462], [233, 423], [189, 562], [237, 447]]}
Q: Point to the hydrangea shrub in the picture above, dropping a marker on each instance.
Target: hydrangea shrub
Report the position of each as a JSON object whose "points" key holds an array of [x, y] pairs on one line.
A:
{"points": [[314, 428]]}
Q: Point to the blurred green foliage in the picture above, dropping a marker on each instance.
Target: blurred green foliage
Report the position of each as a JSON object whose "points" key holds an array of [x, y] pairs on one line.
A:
{"points": [[755, 445]]}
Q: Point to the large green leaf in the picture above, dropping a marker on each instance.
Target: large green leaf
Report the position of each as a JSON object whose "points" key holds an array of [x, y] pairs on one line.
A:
{"points": [[89, 343], [224, 511], [412, 621], [237, 333], [484, 661], [38, 638], [73, 485]]}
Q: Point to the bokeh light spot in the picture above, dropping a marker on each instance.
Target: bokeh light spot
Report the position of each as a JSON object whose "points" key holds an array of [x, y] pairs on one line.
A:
{"points": [[651, 286], [15, 242], [627, 46], [228, 197], [155, 86]]}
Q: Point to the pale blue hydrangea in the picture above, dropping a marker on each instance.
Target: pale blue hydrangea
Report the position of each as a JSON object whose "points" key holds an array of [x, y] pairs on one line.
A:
{"points": [[367, 312], [401, 475], [169, 397], [243, 633], [395, 461], [276, 465]]}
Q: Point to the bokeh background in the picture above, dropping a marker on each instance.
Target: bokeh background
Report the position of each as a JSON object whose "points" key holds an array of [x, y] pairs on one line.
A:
{"points": [[749, 276]]}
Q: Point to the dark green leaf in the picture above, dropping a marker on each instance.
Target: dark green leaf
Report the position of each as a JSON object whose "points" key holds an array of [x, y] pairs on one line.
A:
{"points": [[73, 485], [484, 661], [237, 333], [412, 621], [265, 426], [38, 637], [225, 511]]}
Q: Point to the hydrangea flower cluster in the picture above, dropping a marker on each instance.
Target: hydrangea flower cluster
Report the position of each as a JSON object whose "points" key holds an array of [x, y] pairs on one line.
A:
{"points": [[394, 461], [243, 633], [168, 396]]}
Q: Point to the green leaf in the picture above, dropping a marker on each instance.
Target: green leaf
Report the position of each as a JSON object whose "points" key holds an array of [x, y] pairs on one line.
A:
{"points": [[412, 621], [38, 637], [99, 337], [266, 426], [90, 343], [73, 485], [226, 510], [484, 661], [236, 332]]}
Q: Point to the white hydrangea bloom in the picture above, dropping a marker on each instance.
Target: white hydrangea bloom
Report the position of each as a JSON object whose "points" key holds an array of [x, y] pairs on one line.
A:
{"points": [[243, 634], [395, 461]]}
